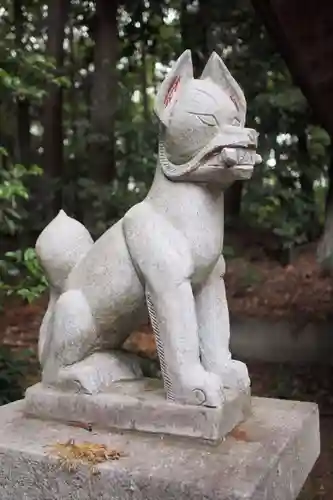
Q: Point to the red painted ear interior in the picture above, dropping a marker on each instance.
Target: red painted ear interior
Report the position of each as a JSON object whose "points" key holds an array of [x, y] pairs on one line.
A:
{"points": [[171, 90]]}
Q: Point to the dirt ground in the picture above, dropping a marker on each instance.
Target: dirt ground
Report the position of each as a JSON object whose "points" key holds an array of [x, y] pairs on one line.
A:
{"points": [[256, 286]]}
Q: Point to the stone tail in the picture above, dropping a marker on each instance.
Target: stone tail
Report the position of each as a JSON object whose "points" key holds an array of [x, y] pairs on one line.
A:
{"points": [[59, 248]]}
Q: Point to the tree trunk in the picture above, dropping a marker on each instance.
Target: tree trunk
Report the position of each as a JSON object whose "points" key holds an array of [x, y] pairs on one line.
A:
{"points": [[233, 200], [104, 92], [325, 247], [53, 113], [23, 144], [143, 72], [308, 193], [195, 26], [72, 169]]}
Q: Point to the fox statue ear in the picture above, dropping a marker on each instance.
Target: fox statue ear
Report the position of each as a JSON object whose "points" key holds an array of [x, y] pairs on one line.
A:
{"points": [[217, 71], [180, 73]]}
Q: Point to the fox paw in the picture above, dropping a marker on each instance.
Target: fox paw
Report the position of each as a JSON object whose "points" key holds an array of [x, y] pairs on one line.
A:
{"points": [[202, 388], [234, 375]]}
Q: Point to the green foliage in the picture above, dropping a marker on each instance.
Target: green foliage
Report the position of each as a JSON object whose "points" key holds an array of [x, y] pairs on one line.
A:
{"points": [[287, 198], [228, 252], [22, 275], [318, 142], [26, 72], [12, 190], [107, 203], [281, 212], [13, 369]]}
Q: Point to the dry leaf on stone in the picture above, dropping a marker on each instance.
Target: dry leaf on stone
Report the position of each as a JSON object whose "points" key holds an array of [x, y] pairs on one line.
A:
{"points": [[72, 454]]}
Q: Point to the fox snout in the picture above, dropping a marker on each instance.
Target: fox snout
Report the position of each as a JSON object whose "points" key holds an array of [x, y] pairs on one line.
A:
{"points": [[238, 147]]}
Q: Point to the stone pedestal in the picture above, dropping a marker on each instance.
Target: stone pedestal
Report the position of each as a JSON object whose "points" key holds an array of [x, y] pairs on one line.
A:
{"points": [[268, 457], [139, 405]]}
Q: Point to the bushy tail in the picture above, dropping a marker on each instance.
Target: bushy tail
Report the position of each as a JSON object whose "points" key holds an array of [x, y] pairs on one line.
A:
{"points": [[59, 248]]}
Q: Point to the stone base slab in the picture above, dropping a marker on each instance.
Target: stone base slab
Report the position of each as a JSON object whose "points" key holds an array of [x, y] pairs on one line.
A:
{"points": [[267, 457], [141, 406]]}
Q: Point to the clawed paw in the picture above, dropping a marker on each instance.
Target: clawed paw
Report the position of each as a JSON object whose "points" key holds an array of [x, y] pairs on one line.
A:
{"points": [[200, 389]]}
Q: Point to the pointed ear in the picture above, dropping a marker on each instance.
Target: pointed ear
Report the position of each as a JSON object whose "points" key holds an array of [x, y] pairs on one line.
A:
{"points": [[217, 71], [180, 73]]}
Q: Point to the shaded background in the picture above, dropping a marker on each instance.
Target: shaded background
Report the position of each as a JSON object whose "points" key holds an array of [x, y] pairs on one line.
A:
{"points": [[77, 131]]}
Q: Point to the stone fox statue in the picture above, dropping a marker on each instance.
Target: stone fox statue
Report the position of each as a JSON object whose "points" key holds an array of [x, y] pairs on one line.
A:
{"points": [[163, 257]]}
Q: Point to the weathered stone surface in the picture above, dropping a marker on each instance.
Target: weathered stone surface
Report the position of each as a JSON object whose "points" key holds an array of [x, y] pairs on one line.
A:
{"points": [[139, 405], [266, 458], [163, 258]]}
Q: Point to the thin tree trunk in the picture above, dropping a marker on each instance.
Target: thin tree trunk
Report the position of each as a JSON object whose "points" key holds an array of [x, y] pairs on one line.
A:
{"points": [[104, 92], [308, 193], [325, 247], [144, 80], [23, 142], [53, 106], [195, 26], [72, 172], [233, 200]]}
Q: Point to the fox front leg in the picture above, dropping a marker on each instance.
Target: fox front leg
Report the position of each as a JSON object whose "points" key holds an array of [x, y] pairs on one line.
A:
{"points": [[161, 257], [214, 331]]}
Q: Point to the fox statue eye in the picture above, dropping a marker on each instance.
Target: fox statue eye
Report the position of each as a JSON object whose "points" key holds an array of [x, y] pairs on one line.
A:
{"points": [[209, 120], [236, 122]]}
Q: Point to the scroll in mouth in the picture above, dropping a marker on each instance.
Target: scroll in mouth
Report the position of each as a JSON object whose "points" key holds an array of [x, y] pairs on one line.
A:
{"points": [[240, 156]]}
